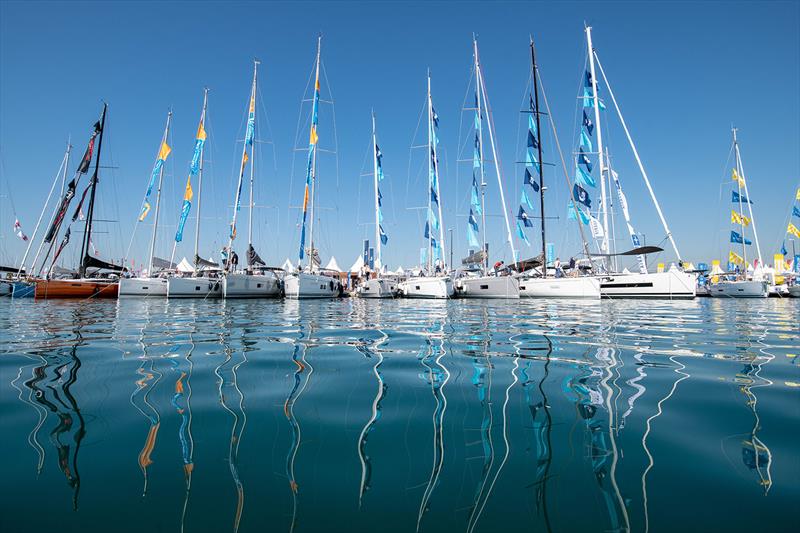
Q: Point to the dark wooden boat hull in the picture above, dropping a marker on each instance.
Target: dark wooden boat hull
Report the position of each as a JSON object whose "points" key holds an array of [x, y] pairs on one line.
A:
{"points": [[76, 288]]}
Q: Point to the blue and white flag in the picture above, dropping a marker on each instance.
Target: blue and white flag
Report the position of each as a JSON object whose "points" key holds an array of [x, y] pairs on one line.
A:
{"points": [[736, 198], [736, 238]]}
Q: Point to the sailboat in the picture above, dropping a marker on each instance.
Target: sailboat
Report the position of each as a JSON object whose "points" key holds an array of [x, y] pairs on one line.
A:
{"points": [[23, 284], [377, 287], [254, 281], [433, 280], [202, 282], [673, 283], [544, 286], [150, 285], [741, 284], [480, 284], [83, 286], [793, 233], [311, 282]]}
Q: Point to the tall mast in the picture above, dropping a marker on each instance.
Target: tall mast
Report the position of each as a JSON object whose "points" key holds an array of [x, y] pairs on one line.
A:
{"points": [[252, 155], [62, 171], [200, 184], [596, 105], [158, 199], [87, 237], [535, 70], [314, 155], [238, 198], [479, 127], [377, 206], [747, 195], [741, 207], [430, 173]]}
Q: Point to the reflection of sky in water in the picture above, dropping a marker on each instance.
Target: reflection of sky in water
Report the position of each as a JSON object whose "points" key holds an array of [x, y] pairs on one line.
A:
{"points": [[400, 415]]}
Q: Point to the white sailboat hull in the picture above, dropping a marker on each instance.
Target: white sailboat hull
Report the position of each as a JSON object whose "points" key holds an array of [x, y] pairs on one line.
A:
{"points": [[305, 285], [143, 287], [377, 288], [580, 287], [425, 287], [672, 284], [794, 291], [250, 286], [488, 287], [739, 289], [200, 287]]}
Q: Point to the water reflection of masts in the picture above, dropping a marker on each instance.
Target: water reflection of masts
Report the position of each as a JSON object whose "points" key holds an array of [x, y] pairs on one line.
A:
{"points": [[56, 397], [300, 384], [41, 412], [542, 431], [683, 375], [437, 375], [380, 393], [230, 381], [140, 400], [183, 391]]}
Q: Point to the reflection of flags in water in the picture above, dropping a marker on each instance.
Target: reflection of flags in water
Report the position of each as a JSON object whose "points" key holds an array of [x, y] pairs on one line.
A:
{"points": [[18, 230]]}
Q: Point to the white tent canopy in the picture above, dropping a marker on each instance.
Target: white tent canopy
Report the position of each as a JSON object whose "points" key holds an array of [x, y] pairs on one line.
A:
{"points": [[287, 265], [333, 265], [358, 265], [184, 266]]}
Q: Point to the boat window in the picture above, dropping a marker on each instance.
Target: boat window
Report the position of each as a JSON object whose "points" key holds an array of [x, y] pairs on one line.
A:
{"points": [[484, 287]]}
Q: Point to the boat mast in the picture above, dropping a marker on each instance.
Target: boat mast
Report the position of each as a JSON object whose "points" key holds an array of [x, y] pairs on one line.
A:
{"points": [[314, 157], [238, 197], [252, 158], [535, 70], [479, 126], [158, 199], [430, 175], [200, 184], [747, 195], [62, 170], [596, 105], [377, 213], [497, 169], [87, 237]]}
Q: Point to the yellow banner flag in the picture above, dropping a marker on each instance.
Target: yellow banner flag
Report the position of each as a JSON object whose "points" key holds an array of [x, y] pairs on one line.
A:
{"points": [[797, 196], [188, 193], [164, 152], [737, 218], [201, 132], [735, 258], [737, 178], [305, 200], [793, 230], [145, 210], [313, 137], [778, 262]]}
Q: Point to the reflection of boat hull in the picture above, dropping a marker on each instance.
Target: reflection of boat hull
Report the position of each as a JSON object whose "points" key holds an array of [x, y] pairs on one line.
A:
{"points": [[250, 286], [200, 287], [487, 287], [75, 288], [305, 285], [424, 287], [377, 288], [143, 287], [739, 289], [580, 287], [672, 284]]}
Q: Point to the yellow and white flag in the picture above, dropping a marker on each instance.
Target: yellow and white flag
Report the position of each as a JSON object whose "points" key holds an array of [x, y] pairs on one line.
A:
{"points": [[737, 178], [737, 218], [793, 230], [735, 258]]}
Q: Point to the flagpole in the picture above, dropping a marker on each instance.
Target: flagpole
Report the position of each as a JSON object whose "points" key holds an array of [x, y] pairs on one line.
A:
{"points": [[87, 238], [430, 171], [252, 161], [158, 198], [314, 160]]}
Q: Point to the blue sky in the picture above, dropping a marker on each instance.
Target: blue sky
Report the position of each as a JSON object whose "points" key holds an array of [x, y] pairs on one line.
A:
{"points": [[683, 73]]}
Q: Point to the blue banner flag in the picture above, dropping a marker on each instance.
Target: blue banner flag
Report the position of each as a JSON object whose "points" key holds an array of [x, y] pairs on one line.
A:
{"points": [[521, 233], [580, 195], [796, 211], [523, 217], [583, 177], [587, 123], [736, 198], [584, 160], [737, 239]]}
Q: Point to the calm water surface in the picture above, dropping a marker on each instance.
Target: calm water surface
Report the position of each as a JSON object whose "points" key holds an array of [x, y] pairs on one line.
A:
{"points": [[404, 415]]}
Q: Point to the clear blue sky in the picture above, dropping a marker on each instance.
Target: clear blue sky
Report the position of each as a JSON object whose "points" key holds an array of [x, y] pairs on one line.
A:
{"points": [[683, 73]]}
